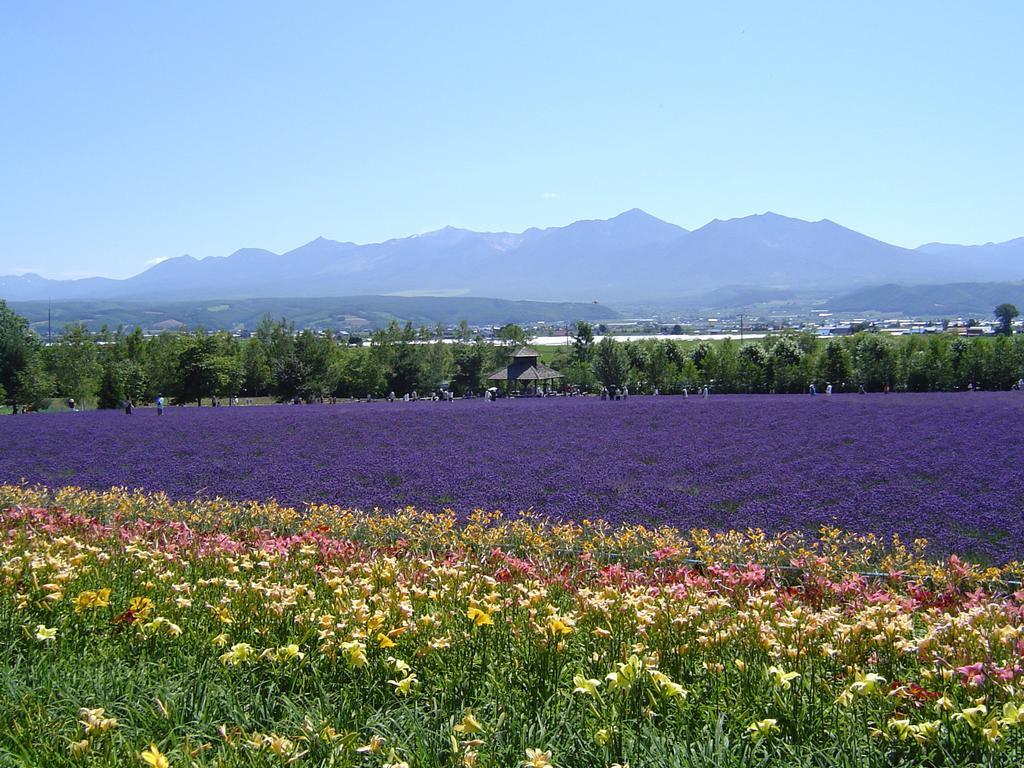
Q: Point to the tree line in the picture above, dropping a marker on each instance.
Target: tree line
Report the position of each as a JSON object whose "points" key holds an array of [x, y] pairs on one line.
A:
{"points": [[277, 360]]}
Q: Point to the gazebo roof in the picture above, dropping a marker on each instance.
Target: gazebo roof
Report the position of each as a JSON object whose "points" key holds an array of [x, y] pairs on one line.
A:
{"points": [[518, 371], [525, 352]]}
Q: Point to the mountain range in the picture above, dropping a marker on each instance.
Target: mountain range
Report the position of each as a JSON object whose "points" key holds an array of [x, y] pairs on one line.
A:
{"points": [[631, 257]]}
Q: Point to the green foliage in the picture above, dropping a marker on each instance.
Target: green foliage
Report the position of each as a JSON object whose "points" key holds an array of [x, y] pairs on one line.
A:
{"points": [[34, 385], [611, 364], [786, 371], [280, 361], [357, 373], [875, 362], [73, 364], [1005, 313], [197, 369], [19, 348], [512, 335], [471, 363], [837, 366]]}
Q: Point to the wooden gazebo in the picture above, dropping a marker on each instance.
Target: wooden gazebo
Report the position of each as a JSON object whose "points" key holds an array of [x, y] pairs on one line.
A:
{"points": [[525, 368]]}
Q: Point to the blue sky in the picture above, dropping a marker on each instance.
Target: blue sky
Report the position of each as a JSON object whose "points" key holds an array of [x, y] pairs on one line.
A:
{"points": [[131, 132]]}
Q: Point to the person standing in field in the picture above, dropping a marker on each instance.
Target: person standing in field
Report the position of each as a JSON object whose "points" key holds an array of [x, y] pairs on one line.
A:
{"points": [[706, 393], [159, 405], [128, 407], [828, 390]]}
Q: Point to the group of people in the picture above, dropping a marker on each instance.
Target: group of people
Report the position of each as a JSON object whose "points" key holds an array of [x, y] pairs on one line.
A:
{"points": [[438, 395], [129, 405]]}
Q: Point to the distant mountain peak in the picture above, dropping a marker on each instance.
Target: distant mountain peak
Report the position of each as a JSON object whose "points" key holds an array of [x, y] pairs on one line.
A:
{"points": [[631, 256], [634, 213]]}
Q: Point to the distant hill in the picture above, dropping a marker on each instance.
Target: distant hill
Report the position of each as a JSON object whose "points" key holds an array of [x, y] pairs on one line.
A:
{"points": [[633, 256], [352, 312], [932, 301]]}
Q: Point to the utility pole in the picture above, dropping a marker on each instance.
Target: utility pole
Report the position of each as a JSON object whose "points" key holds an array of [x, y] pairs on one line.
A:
{"points": [[49, 322]]}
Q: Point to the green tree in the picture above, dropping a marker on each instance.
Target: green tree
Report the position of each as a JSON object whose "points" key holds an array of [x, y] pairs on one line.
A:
{"points": [[358, 373], [611, 366], [111, 388], [316, 353], [722, 366], [160, 364], [229, 375], [875, 361], [786, 372], [754, 367], [34, 384], [471, 362], [837, 363], [576, 362], [196, 369], [1002, 369], [256, 373], [438, 365], [1005, 313], [73, 363], [700, 355], [19, 349], [658, 367]]}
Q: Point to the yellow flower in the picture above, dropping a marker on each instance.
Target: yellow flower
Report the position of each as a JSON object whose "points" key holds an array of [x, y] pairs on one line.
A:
{"points": [[867, 684], [478, 617], [95, 720], [99, 598], [79, 748], [782, 679], [238, 653], [355, 652], [280, 746], [587, 686], [399, 665], [669, 688], [903, 728], [289, 652], [140, 606], [536, 758], [469, 725], [223, 614], [383, 641], [155, 758], [991, 730], [1013, 714], [44, 633], [559, 625], [374, 746], [973, 716], [404, 686], [927, 731], [763, 728], [603, 736], [623, 678]]}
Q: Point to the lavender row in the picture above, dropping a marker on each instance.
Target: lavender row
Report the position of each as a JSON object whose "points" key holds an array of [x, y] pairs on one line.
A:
{"points": [[942, 466]]}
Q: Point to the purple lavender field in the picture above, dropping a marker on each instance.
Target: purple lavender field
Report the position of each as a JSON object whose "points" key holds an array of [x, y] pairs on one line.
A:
{"points": [[943, 466]]}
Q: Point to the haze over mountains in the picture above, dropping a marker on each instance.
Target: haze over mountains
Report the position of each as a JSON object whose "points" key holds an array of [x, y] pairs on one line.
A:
{"points": [[631, 257]]}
